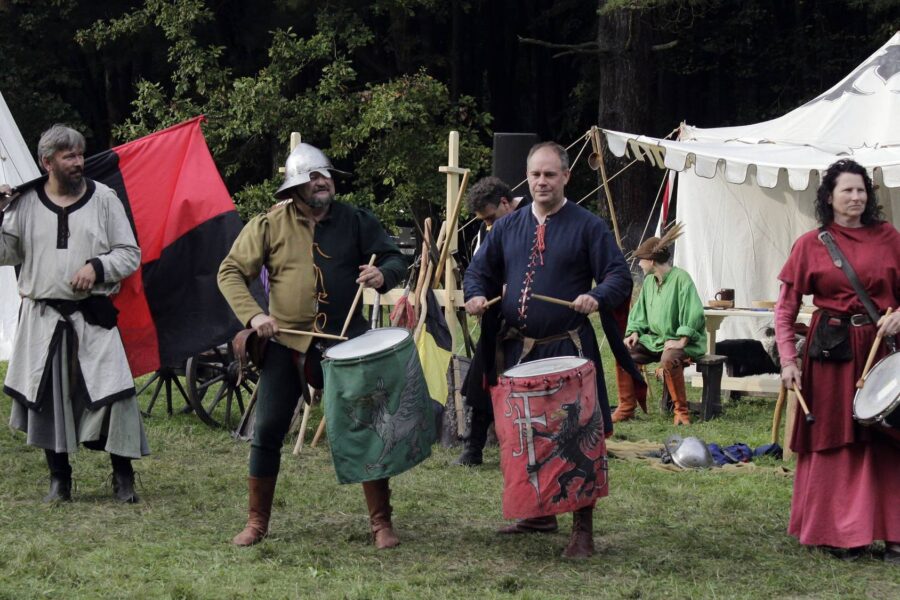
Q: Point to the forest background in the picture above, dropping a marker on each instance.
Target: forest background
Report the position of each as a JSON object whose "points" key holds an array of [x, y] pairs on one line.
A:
{"points": [[378, 84]]}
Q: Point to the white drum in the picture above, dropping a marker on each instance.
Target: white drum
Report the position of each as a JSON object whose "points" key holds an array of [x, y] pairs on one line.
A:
{"points": [[876, 402], [545, 366], [369, 343]]}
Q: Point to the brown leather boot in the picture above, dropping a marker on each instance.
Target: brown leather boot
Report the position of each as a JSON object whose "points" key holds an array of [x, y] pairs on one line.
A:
{"points": [[378, 499], [627, 397], [581, 544], [546, 524], [262, 492], [674, 377]]}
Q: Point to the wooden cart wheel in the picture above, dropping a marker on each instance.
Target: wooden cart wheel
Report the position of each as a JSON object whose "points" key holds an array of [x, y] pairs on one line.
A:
{"points": [[213, 389]]}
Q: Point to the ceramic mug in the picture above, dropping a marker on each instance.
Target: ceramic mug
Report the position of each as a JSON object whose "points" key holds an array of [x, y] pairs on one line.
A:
{"points": [[725, 295]]}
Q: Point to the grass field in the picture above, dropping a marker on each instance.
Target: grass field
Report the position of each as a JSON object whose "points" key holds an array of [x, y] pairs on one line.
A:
{"points": [[702, 534]]}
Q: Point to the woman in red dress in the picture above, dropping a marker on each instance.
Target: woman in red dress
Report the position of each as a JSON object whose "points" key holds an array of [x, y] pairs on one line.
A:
{"points": [[847, 484]]}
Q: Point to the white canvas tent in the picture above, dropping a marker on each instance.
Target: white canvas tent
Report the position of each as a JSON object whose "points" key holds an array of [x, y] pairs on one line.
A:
{"points": [[16, 166], [746, 193]]}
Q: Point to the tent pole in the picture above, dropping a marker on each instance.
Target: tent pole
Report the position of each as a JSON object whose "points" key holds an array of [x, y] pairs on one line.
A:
{"points": [[598, 152]]}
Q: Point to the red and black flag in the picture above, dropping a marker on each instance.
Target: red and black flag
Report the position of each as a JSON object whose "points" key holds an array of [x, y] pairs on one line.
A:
{"points": [[184, 222]]}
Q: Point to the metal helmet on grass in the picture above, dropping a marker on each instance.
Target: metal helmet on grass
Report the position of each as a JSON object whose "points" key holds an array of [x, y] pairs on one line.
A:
{"points": [[303, 160], [689, 453]]}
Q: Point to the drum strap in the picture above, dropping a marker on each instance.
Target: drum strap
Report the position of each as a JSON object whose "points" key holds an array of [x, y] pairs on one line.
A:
{"points": [[528, 343]]}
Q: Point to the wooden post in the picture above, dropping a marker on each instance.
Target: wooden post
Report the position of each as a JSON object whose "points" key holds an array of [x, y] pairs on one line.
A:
{"points": [[453, 173], [598, 152]]}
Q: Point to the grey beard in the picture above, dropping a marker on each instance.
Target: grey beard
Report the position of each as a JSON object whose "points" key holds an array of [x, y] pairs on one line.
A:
{"points": [[71, 185], [316, 203]]}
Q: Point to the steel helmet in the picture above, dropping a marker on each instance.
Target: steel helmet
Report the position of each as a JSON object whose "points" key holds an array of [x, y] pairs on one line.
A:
{"points": [[303, 160], [689, 453]]}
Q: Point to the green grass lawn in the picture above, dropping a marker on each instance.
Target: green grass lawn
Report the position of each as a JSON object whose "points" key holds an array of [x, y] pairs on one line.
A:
{"points": [[706, 534]]}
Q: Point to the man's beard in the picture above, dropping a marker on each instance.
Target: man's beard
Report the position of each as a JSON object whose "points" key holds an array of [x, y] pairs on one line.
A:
{"points": [[71, 183], [314, 202]]}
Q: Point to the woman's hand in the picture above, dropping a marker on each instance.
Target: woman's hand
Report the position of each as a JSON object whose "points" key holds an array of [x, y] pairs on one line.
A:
{"points": [[790, 377], [889, 324]]}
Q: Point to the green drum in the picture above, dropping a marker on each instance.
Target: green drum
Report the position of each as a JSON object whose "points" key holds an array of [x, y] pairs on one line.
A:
{"points": [[377, 408]]}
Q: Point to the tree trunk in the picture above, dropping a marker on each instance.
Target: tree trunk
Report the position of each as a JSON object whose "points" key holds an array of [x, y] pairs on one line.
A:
{"points": [[626, 81]]}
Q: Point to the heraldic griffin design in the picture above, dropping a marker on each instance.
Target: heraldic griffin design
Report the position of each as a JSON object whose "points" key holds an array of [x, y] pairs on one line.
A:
{"points": [[407, 423], [572, 441]]}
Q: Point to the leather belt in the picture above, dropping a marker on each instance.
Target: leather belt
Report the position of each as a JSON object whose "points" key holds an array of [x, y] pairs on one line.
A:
{"points": [[859, 320]]}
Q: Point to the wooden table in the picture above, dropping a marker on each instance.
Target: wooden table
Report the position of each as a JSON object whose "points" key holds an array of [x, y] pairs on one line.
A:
{"points": [[715, 316]]}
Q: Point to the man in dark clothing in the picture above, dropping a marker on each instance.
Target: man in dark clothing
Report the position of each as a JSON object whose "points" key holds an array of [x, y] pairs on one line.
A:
{"points": [[316, 252], [566, 249], [489, 199]]}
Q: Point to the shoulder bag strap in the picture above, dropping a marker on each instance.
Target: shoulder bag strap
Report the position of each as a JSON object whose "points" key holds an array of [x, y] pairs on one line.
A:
{"points": [[841, 262]]}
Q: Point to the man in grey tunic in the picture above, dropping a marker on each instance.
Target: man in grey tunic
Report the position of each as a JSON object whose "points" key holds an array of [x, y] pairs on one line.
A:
{"points": [[68, 373]]}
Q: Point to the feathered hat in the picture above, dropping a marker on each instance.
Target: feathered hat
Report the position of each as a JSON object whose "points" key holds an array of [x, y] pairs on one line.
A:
{"points": [[657, 248]]}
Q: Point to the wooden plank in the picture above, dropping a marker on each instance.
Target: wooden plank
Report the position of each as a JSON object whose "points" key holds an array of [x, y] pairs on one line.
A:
{"points": [[752, 383]]}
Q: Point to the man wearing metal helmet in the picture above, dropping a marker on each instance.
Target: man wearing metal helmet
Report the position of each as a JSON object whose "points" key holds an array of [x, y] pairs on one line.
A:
{"points": [[666, 324], [315, 251]]}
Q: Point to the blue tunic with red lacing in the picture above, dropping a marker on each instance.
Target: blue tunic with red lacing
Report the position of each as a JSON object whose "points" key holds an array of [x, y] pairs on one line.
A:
{"points": [[572, 253]]}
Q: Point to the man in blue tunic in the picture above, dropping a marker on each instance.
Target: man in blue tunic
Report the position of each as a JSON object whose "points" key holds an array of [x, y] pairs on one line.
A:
{"points": [[554, 249]]}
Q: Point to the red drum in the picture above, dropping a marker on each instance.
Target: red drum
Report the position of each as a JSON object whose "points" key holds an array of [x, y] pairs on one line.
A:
{"points": [[550, 428]]}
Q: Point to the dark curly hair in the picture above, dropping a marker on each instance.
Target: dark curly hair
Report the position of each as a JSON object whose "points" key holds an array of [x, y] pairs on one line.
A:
{"points": [[488, 190], [824, 211]]}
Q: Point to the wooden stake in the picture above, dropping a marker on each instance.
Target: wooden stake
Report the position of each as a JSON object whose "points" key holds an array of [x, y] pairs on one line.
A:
{"points": [[779, 408], [450, 229], [356, 298], [598, 149], [319, 432], [307, 409]]}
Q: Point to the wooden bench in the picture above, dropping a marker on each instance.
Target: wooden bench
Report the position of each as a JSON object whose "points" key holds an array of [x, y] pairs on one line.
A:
{"points": [[710, 367]]}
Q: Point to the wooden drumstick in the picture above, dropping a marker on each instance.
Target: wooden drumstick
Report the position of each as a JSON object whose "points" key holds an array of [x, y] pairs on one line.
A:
{"points": [[356, 298], [779, 408], [871, 358], [554, 300], [317, 334], [809, 416], [493, 301]]}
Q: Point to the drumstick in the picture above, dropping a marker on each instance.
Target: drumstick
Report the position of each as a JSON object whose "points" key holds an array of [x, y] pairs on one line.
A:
{"points": [[872, 352], [554, 300], [356, 298], [809, 416], [326, 336], [779, 408], [493, 301]]}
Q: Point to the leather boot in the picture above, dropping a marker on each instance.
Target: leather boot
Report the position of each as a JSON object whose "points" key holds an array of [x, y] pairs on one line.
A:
{"points": [[378, 500], [581, 544], [123, 480], [474, 444], [674, 377], [627, 397], [261, 492], [546, 524], [60, 477]]}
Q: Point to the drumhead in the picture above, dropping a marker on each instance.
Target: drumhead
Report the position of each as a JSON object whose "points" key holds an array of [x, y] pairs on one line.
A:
{"points": [[371, 342], [881, 392], [546, 366]]}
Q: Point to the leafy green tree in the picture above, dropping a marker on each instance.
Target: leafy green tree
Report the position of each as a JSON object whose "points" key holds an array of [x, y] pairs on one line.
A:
{"points": [[392, 134]]}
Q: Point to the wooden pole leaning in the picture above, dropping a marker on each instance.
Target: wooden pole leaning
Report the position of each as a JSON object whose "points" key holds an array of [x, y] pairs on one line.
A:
{"points": [[304, 423], [450, 229], [871, 358], [598, 153], [779, 408]]}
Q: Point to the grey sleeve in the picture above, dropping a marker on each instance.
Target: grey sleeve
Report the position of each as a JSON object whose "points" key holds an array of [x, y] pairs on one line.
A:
{"points": [[11, 251], [124, 255]]}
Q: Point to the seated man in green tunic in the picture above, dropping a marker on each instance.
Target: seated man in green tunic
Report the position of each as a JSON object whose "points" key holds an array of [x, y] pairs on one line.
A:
{"points": [[665, 325]]}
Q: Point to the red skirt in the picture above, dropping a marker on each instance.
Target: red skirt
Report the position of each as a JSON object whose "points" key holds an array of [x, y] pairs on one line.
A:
{"points": [[847, 497]]}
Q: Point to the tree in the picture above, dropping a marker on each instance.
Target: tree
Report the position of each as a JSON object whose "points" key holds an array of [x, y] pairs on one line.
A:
{"points": [[391, 134]]}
